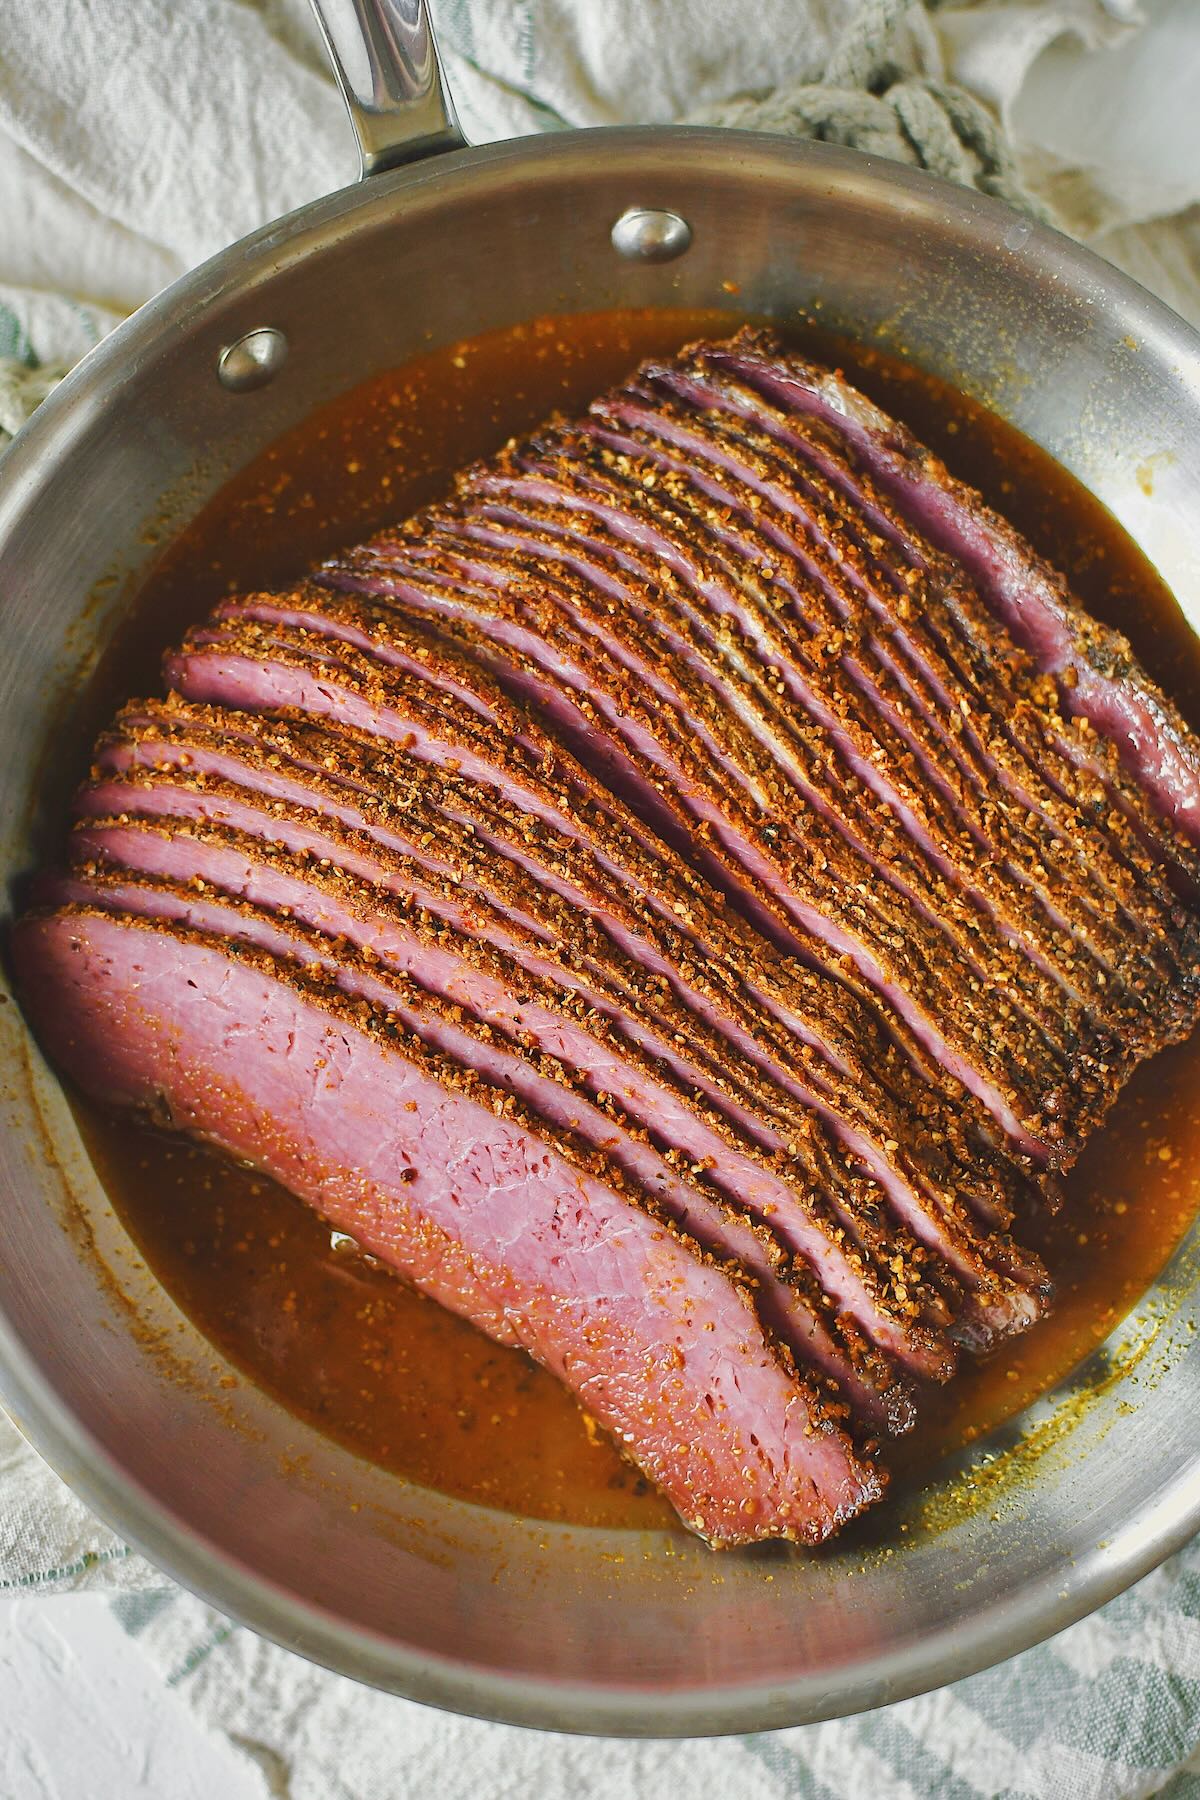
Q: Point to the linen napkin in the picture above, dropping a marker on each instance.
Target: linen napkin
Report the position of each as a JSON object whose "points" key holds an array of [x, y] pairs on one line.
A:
{"points": [[136, 140]]}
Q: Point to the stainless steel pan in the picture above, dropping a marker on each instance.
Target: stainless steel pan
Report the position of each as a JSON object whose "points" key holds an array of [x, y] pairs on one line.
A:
{"points": [[393, 1584]]}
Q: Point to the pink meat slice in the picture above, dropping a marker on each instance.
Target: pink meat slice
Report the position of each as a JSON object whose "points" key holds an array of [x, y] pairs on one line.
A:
{"points": [[631, 1100], [467, 1202], [1099, 677]]}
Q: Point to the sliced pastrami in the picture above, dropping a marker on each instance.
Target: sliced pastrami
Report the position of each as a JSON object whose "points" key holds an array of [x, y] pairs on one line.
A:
{"points": [[432, 1171], [759, 867], [1098, 675], [435, 999], [535, 549], [531, 1009], [933, 616], [629, 1052], [965, 805], [799, 1033], [706, 877]]}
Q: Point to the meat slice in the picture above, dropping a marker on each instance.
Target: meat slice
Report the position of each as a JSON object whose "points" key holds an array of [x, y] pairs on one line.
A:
{"points": [[875, 730], [890, 696], [254, 668], [1097, 675], [767, 868], [682, 1083], [801, 1034], [450, 1182], [940, 640], [413, 982]]}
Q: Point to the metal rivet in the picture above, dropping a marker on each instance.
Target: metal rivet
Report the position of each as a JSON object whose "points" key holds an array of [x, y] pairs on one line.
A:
{"points": [[253, 360], [647, 235]]}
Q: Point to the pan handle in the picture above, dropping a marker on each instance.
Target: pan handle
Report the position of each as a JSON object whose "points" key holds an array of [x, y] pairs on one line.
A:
{"points": [[387, 66]]}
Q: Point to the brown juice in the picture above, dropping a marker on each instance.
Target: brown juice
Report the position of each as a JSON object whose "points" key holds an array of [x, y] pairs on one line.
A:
{"points": [[338, 1339]]}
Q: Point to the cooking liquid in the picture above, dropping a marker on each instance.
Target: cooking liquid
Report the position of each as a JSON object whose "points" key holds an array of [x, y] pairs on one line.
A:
{"points": [[340, 1340]]}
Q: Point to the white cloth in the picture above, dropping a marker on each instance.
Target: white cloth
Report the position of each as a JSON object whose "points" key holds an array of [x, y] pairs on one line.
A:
{"points": [[49, 1541], [136, 139]]}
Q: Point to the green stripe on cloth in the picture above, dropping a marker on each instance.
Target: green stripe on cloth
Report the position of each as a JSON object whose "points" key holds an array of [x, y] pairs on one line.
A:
{"points": [[200, 1653], [14, 339], [134, 1612], [1186, 1597], [91, 1559], [913, 1761], [1012, 1697], [526, 43], [780, 1760], [1136, 1713]]}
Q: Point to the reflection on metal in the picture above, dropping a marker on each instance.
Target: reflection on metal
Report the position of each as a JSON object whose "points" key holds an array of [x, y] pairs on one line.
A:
{"points": [[645, 234], [252, 360], [386, 63]]}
